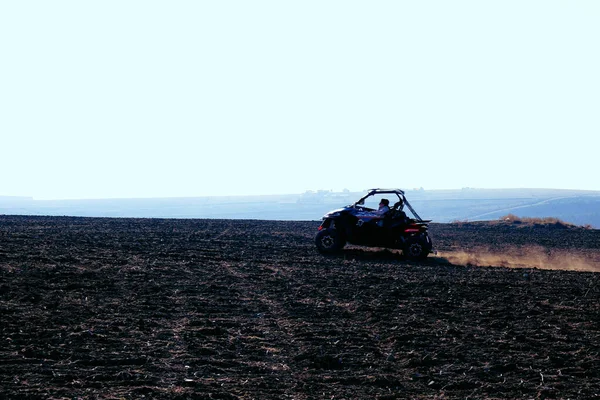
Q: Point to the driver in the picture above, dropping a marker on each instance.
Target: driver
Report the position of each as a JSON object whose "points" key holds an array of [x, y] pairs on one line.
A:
{"points": [[384, 206]]}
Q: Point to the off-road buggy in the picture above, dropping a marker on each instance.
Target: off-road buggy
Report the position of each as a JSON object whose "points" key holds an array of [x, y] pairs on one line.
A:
{"points": [[361, 224]]}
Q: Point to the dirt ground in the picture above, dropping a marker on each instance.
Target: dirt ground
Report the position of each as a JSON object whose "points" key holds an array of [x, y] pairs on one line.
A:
{"points": [[239, 309]]}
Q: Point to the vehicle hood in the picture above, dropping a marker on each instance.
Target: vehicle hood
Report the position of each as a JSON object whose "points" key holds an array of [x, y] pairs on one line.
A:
{"points": [[338, 211]]}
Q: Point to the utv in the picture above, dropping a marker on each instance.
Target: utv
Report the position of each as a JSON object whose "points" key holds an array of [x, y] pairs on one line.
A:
{"points": [[361, 224]]}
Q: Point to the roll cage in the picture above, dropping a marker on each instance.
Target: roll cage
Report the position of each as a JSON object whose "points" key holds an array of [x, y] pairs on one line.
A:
{"points": [[397, 192]]}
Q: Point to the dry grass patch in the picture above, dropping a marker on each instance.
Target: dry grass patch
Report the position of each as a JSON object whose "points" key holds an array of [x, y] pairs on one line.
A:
{"points": [[549, 221]]}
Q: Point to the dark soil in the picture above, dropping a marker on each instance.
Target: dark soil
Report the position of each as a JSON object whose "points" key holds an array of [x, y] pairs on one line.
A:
{"points": [[233, 309]]}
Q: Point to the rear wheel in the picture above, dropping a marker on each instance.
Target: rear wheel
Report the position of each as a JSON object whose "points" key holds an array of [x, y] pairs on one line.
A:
{"points": [[329, 241], [417, 247]]}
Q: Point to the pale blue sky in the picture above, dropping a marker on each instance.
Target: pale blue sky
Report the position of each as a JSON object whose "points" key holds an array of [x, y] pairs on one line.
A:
{"points": [[105, 99]]}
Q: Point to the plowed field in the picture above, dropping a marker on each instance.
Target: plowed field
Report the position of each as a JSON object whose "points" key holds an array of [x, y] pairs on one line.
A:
{"points": [[233, 309]]}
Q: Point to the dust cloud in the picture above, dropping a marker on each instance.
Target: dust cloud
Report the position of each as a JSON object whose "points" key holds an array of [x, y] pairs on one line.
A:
{"points": [[526, 257]]}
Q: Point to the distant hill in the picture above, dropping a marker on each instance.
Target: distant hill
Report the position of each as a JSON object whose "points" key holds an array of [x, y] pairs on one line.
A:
{"points": [[574, 206], [577, 207], [14, 199]]}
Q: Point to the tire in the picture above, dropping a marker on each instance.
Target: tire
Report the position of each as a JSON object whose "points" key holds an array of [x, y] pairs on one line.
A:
{"points": [[417, 247], [329, 241]]}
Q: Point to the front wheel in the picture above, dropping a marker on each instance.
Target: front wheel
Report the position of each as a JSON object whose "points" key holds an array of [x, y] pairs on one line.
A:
{"points": [[417, 247], [328, 241]]}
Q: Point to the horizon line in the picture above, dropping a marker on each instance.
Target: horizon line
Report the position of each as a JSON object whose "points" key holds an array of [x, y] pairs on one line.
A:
{"points": [[33, 198]]}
